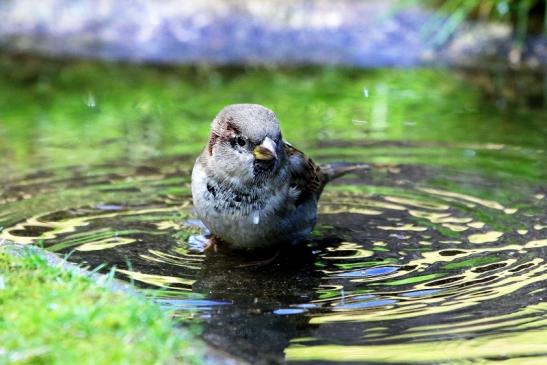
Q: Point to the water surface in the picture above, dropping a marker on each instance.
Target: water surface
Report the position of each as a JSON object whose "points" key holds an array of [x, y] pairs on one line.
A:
{"points": [[437, 255]]}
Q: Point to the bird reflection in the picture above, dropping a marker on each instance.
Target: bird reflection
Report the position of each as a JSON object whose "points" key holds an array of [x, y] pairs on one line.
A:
{"points": [[255, 328]]}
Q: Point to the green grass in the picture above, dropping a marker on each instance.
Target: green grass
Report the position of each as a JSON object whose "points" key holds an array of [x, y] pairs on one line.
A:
{"points": [[51, 316]]}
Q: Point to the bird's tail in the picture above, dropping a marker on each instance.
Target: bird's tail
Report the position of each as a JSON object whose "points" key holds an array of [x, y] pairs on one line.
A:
{"points": [[334, 170]]}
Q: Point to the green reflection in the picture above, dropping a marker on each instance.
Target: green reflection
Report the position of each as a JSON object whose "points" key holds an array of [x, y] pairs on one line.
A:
{"points": [[108, 149], [47, 108], [477, 261]]}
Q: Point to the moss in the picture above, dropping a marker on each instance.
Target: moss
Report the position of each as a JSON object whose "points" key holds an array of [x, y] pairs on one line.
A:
{"points": [[51, 316]]}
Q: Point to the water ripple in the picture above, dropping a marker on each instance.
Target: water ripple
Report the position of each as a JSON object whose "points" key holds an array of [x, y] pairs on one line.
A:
{"points": [[396, 266]]}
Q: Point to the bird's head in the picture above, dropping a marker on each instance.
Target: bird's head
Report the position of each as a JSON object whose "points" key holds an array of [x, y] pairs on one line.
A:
{"points": [[246, 143]]}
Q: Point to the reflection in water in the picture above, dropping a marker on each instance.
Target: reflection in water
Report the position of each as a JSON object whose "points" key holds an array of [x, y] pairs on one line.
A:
{"points": [[437, 255], [399, 269]]}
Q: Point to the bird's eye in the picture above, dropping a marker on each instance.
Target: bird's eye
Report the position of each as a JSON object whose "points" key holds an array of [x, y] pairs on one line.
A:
{"points": [[241, 141]]}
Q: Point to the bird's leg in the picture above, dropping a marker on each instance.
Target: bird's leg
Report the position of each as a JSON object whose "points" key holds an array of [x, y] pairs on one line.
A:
{"points": [[213, 244]]}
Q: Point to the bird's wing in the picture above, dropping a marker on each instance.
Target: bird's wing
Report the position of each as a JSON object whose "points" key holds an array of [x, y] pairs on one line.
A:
{"points": [[306, 176]]}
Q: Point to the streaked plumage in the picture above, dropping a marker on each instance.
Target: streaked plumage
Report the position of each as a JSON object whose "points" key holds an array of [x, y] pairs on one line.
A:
{"points": [[252, 189]]}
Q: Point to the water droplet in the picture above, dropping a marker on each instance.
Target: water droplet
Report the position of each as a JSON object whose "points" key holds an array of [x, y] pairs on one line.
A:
{"points": [[469, 153], [502, 7], [91, 103]]}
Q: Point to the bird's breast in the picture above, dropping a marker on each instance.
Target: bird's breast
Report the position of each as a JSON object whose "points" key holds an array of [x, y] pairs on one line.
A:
{"points": [[248, 216]]}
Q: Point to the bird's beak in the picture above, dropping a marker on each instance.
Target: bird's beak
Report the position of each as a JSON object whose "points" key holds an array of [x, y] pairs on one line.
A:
{"points": [[266, 150]]}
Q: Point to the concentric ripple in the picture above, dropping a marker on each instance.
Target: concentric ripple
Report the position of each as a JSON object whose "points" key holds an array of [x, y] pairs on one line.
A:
{"points": [[405, 262]]}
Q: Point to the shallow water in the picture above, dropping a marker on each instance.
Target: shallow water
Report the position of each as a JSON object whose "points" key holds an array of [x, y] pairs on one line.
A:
{"points": [[437, 255]]}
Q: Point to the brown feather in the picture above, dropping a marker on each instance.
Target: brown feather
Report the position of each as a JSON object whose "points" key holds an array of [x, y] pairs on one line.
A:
{"points": [[310, 178], [222, 131], [212, 141], [306, 176]]}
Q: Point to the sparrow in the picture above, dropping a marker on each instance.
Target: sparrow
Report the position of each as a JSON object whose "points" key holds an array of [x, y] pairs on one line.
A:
{"points": [[252, 189]]}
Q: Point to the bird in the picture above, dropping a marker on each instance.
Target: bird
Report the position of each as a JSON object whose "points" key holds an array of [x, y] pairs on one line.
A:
{"points": [[251, 188]]}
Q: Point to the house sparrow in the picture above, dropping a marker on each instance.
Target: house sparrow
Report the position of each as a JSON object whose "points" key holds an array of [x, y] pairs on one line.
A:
{"points": [[252, 189]]}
